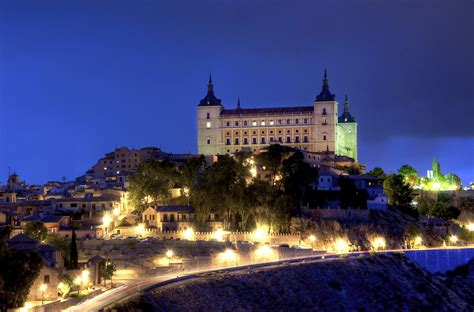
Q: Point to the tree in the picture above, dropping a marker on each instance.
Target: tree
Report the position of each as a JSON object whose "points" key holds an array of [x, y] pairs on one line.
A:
{"points": [[409, 174], [151, 183], [377, 172], [107, 270], [74, 255], [36, 230], [399, 194], [65, 285], [19, 271], [61, 244]]}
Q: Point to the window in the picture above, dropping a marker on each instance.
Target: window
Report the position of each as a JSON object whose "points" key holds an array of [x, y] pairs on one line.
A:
{"points": [[271, 139], [46, 279], [227, 124], [305, 130], [254, 132], [305, 120], [254, 140], [245, 132], [263, 132], [227, 141], [227, 133], [325, 121], [288, 140], [263, 123], [245, 122], [280, 139], [279, 131], [73, 205], [305, 139], [297, 131], [208, 141], [208, 116], [236, 132], [287, 131], [246, 141], [271, 131], [263, 140], [324, 137], [236, 124], [208, 125], [324, 111], [288, 121], [254, 123], [172, 217], [271, 123], [236, 141], [297, 121], [297, 139]]}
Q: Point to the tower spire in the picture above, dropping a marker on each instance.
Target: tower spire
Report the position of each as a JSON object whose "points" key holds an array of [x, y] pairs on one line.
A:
{"points": [[346, 105], [325, 94], [210, 86], [238, 102]]}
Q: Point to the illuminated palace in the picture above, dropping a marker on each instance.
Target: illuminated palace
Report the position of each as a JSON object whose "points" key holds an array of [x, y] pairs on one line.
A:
{"points": [[313, 128]]}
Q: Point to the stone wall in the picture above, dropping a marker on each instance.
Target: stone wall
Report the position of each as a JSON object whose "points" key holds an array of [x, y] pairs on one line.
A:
{"points": [[338, 214], [273, 238]]}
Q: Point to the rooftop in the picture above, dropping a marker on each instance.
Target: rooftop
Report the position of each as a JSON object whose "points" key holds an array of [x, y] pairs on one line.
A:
{"points": [[267, 111]]}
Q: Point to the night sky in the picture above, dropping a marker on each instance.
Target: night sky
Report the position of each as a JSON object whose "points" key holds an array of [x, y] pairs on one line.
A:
{"points": [[78, 79]]}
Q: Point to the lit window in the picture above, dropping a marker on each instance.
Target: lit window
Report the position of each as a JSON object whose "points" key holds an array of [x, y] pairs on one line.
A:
{"points": [[105, 168], [254, 123], [208, 125], [263, 123], [118, 172], [271, 122]]}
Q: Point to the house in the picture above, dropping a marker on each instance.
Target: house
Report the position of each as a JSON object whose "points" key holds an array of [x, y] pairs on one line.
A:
{"points": [[175, 218], [53, 223], [51, 272]]}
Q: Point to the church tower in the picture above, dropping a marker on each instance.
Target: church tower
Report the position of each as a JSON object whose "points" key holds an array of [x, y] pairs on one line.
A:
{"points": [[209, 111], [325, 118], [347, 133]]}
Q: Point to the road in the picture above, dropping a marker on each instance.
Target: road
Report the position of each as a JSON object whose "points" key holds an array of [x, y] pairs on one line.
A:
{"points": [[116, 294]]}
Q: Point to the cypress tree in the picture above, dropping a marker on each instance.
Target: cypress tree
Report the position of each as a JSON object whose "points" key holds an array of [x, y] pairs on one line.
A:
{"points": [[74, 256]]}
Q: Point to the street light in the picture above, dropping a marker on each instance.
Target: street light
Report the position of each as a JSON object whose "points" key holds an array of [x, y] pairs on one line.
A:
{"points": [[453, 239], [85, 277], [169, 255], [219, 235], [470, 227], [140, 229], [188, 234], [42, 288], [312, 239], [106, 222]]}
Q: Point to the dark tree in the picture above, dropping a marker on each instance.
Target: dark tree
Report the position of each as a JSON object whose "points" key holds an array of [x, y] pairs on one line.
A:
{"points": [[19, 270], [36, 230], [399, 194], [74, 255], [377, 172]]}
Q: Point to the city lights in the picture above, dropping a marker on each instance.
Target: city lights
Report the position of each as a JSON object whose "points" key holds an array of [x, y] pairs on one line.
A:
{"points": [[265, 252], [470, 227], [260, 234], [140, 229], [453, 239], [78, 281], [219, 235], [340, 246], [227, 257], [43, 288], [106, 220], [85, 277], [169, 254], [417, 241], [312, 238], [188, 234], [378, 243], [116, 211]]}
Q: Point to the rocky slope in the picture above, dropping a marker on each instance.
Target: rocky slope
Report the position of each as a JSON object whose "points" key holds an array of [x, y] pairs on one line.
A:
{"points": [[375, 283]]}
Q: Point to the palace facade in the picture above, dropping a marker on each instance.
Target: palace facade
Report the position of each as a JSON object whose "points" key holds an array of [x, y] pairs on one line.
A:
{"points": [[314, 128]]}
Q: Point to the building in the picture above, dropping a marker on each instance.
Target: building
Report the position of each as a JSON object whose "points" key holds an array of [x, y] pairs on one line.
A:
{"points": [[51, 271], [124, 161], [314, 128], [175, 218], [53, 223]]}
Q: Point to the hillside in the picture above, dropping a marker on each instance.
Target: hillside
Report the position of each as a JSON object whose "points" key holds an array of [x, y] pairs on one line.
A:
{"points": [[376, 283]]}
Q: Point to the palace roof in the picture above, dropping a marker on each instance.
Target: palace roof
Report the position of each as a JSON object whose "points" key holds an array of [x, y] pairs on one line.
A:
{"points": [[267, 111]]}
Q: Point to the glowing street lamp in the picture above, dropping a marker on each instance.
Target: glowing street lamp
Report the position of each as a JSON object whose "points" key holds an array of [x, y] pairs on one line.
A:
{"points": [[116, 212], [260, 235], [85, 277], [188, 234], [106, 222], [140, 229], [43, 288], [219, 235], [227, 256], [378, 243], [169, 255], [417, 241], [312, 239], [470, 227], [453, 239]]}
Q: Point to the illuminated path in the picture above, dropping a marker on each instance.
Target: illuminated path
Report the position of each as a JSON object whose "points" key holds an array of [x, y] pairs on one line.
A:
{"points": [[114, 295]]}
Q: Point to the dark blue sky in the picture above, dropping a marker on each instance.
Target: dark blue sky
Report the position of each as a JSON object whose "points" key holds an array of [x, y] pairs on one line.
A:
{"points": [[79, 78]]}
